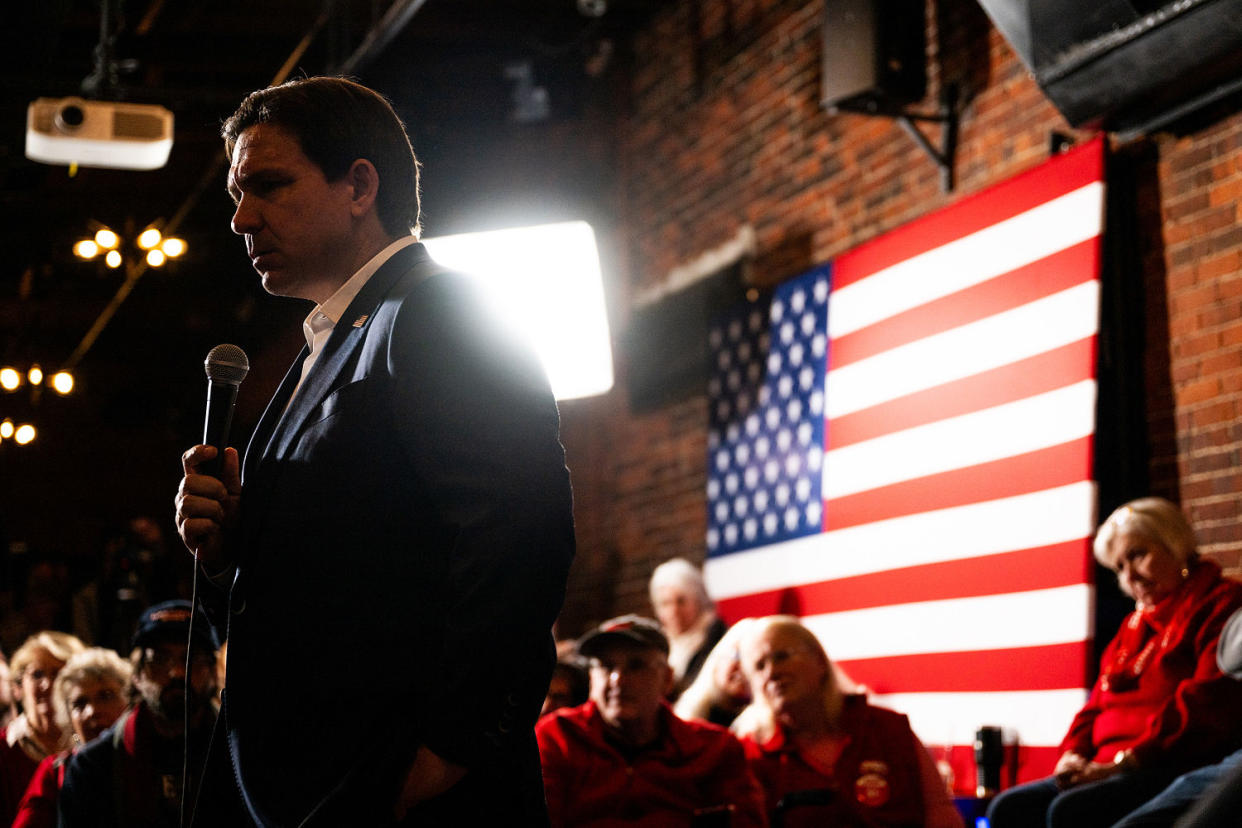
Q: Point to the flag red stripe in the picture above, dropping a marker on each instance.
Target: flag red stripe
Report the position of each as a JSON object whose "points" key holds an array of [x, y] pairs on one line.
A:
{"points": [[1023, 763], [1051, 274], [1050, 667], [1038, 374], [1035, 471], [1043, 567], [1076, 168]]}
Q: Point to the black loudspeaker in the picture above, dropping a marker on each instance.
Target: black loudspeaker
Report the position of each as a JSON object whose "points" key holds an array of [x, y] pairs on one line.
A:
{"points": [[875, 55], [1129, 66]]}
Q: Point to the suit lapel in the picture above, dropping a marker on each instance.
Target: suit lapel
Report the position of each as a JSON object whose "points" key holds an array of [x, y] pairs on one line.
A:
{"points": [[338, 352], [256, 449]]}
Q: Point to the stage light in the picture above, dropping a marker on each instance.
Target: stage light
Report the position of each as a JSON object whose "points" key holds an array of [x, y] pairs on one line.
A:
{"points": [[86, 249], [544, 280], [62, 381], [106, 239], [6, 429], [173, 247], [113, 259], [24, 434], [155, 257], [10, 379], [35, 375]]}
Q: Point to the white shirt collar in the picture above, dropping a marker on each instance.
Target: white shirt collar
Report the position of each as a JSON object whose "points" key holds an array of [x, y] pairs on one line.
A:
{"points": [[323, 318]]}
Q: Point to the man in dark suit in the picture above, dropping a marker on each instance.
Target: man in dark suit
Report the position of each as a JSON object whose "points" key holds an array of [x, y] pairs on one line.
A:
{"points": [[397, 544]]}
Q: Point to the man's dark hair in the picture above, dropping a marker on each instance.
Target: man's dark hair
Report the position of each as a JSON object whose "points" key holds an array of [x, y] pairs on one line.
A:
{"points": [[337, 121]]}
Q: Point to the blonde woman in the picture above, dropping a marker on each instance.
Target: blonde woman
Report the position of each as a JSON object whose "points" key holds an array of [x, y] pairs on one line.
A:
{"points": [[34, 734], [91, 691], [810, 735]]}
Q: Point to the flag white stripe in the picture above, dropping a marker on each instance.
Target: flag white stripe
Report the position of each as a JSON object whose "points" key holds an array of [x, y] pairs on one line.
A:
{"points": [[1000, 339], [1035, 618], [1041, 518], [1038, 718], [970, 260], [982, 436]]}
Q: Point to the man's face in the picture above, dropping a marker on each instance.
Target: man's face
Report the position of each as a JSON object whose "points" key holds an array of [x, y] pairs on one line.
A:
{"points": [[676, 608], [296, 223], [162, 680], [628, 682]]}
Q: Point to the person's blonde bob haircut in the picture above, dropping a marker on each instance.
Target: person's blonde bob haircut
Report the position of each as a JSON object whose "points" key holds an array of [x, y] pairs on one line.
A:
{"points": [[92, 664], [61, 646], [759, 720], [1153, 518]]}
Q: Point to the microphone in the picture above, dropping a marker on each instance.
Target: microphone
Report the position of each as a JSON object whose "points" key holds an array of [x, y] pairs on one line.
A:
{"points": [[226, 367]]}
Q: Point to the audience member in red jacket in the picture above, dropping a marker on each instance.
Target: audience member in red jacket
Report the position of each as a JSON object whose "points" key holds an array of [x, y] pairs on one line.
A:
{"points": [[34, 735], [1161, 704], [624, 758], [803, 734], [90, 692]]}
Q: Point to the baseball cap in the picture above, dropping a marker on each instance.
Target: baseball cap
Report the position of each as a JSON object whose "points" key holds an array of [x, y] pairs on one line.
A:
{"points": [[170, 620], [634, 629]]}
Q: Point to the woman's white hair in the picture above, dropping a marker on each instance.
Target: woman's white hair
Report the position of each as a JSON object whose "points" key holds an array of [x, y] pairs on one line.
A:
{"points": [[1154, 518], [92, 664], [678, 572]]}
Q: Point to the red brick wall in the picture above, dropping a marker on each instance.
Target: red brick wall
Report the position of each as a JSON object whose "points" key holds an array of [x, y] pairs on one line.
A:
{"points": [[1201, 184], [724, 128]]}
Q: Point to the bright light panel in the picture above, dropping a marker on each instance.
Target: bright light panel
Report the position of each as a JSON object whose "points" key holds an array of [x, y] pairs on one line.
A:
{"points": [[545, 280]]}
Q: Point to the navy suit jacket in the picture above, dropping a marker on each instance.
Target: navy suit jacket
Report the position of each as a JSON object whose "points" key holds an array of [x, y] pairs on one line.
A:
{"points": [[406, 533]]}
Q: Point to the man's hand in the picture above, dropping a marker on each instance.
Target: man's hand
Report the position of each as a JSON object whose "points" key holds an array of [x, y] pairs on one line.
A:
{"points": [[428, 777], [207, 507]]}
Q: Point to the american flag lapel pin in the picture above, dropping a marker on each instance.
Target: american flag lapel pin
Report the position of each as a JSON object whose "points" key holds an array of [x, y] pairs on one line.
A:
{"points": [[361, 320]]}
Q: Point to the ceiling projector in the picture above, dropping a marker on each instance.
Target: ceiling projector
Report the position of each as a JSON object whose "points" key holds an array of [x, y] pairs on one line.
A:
{"points": [[124, 136]]}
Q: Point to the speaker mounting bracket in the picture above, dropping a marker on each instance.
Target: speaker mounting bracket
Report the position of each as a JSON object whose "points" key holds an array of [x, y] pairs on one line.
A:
{"points": [[945, 115]]}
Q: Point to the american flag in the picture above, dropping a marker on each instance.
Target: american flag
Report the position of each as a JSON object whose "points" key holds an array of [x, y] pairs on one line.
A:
{"points": [[900, 452]]}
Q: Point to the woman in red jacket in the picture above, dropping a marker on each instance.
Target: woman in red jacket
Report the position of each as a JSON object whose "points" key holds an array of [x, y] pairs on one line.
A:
{"points": [[862, 764], [90, 693], [1161, 705]]}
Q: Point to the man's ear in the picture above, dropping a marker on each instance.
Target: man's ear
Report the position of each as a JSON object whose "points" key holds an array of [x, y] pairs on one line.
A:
{"points": [[363, 181]]}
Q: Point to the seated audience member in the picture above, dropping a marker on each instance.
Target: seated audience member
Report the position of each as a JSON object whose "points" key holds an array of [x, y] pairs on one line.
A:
{"points": [[132, 774], [721, 690], [810, 736], [90, 692], [1210, 796], [568, 687], [1161, 705], [688, 617], [625, 756], [34, 734]]}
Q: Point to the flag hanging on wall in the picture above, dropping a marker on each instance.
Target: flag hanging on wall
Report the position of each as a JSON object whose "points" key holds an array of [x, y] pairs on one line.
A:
{"points": [[900, 452]]}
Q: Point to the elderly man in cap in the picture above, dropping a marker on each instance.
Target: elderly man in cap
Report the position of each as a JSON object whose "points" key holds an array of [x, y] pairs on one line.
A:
{"points": [[625, 754], [132, 773]]}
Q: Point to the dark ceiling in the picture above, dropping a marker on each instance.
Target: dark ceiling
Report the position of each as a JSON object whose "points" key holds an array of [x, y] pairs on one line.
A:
{"points": [[504, 100]]}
